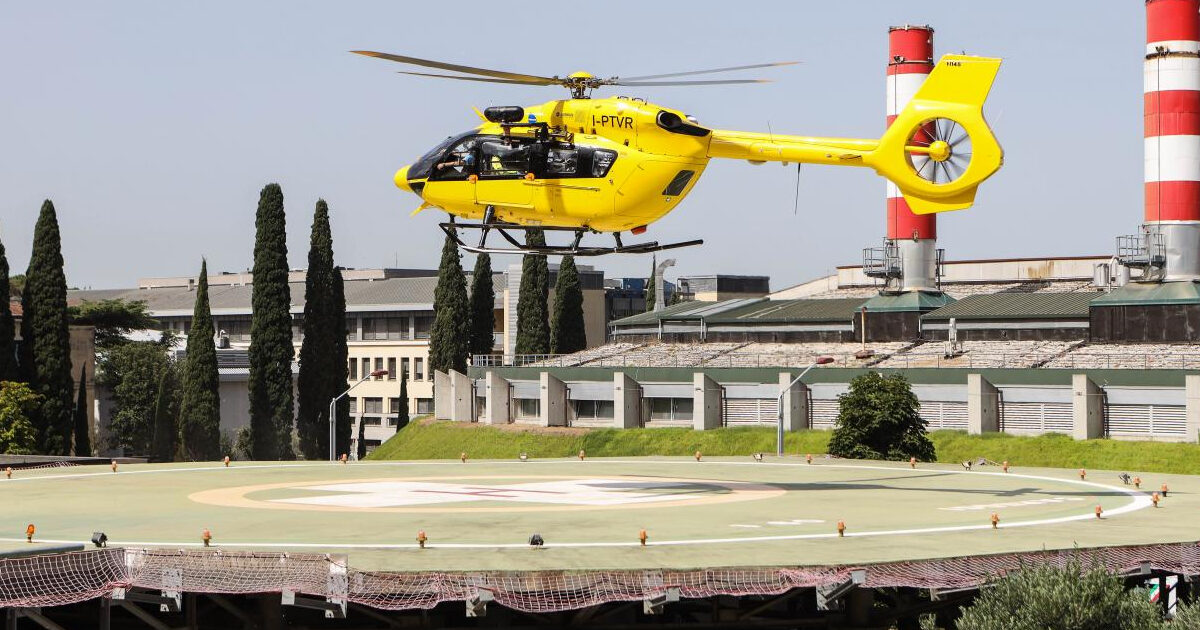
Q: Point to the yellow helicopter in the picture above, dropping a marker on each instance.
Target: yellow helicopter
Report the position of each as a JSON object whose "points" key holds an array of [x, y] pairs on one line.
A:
{"points": [[618, 164]]}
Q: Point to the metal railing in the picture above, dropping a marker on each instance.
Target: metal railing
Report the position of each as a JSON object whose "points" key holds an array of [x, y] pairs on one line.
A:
{"points": [[1143, 361]]}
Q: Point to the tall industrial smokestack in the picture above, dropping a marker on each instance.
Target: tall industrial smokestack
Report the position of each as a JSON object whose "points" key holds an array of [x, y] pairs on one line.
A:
{"points": [[1171, 233], [912, 237]]}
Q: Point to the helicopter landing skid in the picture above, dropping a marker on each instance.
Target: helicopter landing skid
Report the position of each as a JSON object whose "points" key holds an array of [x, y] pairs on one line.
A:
{"points": [[574, 249]]}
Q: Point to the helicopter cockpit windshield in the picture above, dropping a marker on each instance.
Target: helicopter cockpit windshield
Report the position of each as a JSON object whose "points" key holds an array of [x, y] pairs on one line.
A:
{"points": [[423, 167]]}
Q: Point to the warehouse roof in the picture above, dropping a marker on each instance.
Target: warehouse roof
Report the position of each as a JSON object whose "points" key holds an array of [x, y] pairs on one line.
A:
{"points": [[1017, 306], [777, 311]]}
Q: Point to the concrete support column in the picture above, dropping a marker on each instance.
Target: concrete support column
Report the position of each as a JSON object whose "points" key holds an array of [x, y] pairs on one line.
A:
{"points": [[441, 395], [1087, 408], [627, 402], [1192, 411], [495, 394], [706, 403], [461, 402], [795, 404], [983, 405], [553, 401]]}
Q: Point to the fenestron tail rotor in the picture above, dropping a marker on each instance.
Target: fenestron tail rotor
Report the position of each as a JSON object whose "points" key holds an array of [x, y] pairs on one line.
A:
{"points": [[940, 150], [580, 83]]}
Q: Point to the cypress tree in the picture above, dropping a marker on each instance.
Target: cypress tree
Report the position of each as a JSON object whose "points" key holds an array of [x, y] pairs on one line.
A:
{"points": [[650, 285], [200, 406], [322, 374], [340, 358], [271, 350], [402, 412], [361, 452], [533, 325], [83, 437], [483, 304], [567, 332], [450, 338], [166, 433], [8, 350], [46, 338]]}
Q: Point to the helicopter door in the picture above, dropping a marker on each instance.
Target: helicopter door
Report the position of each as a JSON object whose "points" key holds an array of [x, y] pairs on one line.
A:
{"points": [[503, 163]]}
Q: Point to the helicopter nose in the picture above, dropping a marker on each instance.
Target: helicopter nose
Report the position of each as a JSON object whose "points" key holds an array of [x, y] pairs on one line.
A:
{"points": [[401, 179]]}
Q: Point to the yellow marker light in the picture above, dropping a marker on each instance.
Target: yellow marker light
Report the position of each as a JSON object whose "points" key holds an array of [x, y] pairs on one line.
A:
{"points": [[1006, 465], [463, 456], [912, 462], [642, 537], [995, 520], [206, 536], [227, 461], [29, 531], [1082, 474], [421, 538], [1154, 499], [114, 465], [841, 526], [1099, 511]]}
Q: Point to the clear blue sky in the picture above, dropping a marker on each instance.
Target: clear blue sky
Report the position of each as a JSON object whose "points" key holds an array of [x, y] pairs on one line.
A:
{"points": [[153, 125]]}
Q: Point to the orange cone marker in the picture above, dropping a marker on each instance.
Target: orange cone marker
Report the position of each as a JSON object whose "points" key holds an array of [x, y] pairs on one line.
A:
{"points": [[642, 537], [995, 520], [421, 538], [841, 525], [29, 531]]}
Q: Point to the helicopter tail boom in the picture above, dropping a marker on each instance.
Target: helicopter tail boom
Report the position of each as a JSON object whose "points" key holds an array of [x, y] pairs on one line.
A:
{"points": [[937, 151]]}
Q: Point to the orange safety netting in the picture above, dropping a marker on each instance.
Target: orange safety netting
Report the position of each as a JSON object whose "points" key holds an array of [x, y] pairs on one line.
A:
{"points": [[59, 579]]}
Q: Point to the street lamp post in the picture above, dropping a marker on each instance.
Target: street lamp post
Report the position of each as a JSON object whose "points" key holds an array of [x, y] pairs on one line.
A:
{"points": [[333, 418], [779, 424]]}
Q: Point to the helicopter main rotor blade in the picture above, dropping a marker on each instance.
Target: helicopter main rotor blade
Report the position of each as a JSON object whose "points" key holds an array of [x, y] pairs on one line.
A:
{"points": [[462, 78], [714, 82], [499, 74], [712, 71]]}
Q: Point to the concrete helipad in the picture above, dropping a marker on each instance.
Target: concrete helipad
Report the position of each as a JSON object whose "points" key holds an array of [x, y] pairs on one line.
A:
{"points": [[479, 515]]}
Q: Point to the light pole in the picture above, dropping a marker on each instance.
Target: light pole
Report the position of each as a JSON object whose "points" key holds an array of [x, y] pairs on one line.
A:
{"points": [[333, 418], [779, 426]]}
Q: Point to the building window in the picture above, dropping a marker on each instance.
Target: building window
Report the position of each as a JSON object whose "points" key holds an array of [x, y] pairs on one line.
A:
{"points": [[670, 408], [528, 408], [418, 369], [372, 421], [424, 406], [353, 369], [352, 329], [373, 405], [404, 366], [592, 409], [366, 367], [353, 406], [394, 405], [391, 368], [379, 367], [424, 324]]}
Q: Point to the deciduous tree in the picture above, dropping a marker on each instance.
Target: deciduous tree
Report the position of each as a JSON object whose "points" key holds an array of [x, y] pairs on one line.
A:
{"points": [[18, 404], [878, 418]]}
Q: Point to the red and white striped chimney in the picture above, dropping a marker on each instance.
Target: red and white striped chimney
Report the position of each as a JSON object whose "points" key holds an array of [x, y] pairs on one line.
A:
{"points": [[910, 60], [1172, 131]]}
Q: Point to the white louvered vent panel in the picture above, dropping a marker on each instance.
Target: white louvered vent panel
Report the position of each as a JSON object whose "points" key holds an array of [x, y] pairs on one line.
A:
{"points": [[824, 413]]}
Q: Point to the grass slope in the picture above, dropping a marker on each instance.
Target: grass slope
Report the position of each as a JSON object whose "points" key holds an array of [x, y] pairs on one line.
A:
{"points": [[445, 440]]}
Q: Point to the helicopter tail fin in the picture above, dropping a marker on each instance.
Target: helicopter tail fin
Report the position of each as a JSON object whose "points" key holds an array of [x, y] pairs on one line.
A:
{"points": [[939, 148]]}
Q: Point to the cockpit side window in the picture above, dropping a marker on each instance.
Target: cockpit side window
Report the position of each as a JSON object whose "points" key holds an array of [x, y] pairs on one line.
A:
{"points": [[459, 162], [504, 158], [423, 167]]}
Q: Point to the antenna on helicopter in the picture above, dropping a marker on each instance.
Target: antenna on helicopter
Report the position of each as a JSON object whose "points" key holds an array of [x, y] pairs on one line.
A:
{"points": [[579, 83]]}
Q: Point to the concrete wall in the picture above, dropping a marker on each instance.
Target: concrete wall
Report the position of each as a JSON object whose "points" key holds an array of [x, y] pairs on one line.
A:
{"points": [[795, 403], [462, 398], [706, 403], [553, 401], [496, 407], [983, 405], [627, 402], [1087, 408]]}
